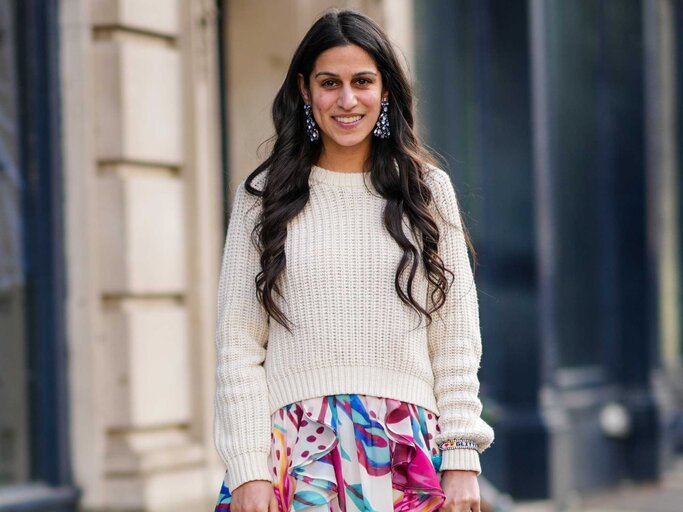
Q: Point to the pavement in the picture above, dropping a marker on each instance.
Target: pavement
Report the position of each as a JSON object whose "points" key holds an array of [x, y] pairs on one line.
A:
{"points": [[664, 496]]}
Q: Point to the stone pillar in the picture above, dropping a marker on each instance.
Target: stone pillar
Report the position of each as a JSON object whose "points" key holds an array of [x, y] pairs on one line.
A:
{"points": [[141, 130]]}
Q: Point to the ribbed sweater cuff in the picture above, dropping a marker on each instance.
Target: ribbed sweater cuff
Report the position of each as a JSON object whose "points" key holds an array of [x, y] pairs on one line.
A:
{"points": [[246, 467], [460, 458]]}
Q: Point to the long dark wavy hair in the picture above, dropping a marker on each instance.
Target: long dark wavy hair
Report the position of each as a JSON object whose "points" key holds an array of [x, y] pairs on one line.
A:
{"points": [[286, 189]]}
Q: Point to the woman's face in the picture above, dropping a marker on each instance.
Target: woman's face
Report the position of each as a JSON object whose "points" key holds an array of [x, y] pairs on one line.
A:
{"points": [[345, 90]]}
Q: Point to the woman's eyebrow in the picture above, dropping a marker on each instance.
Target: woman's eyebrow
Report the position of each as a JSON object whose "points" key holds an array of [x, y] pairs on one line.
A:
{"points": [[329, 73]]}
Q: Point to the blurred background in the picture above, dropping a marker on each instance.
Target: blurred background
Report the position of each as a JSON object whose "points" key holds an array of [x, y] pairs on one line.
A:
{"points": [[125, 126]]}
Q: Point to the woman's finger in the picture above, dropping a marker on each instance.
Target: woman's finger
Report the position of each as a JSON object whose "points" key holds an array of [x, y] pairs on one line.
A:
{"points": [[469, 505]]}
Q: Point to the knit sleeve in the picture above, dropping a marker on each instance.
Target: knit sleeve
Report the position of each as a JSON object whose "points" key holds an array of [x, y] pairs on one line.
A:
{"points": [[241, 421], [455, 340]]}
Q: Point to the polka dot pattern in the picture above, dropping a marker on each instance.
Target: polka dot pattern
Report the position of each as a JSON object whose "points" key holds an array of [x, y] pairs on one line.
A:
{"points": [[353, 453]]}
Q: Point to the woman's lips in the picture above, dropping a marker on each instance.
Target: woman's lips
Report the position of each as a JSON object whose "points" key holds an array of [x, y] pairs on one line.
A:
{"points": [[348, 122]]}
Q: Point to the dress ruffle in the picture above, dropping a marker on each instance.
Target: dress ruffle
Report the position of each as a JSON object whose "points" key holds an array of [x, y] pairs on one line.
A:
{"points": [[355, 453]]}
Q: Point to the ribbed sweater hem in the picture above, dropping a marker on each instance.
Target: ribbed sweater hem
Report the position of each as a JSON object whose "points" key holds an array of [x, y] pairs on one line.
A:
{"points": [[363, 380]]}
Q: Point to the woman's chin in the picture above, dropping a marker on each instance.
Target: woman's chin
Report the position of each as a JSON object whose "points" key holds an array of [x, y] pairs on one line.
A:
{"points": [[349, 140]]}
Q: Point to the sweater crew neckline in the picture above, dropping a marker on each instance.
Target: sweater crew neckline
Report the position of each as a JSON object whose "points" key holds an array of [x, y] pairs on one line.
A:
{"points": [[352, 179]]}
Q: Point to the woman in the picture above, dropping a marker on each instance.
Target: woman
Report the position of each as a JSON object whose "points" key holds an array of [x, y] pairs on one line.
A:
{"points": [[347, 359]]}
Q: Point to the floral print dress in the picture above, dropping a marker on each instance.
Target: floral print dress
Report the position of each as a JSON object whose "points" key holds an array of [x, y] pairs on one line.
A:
{"points": [[353, 453]]}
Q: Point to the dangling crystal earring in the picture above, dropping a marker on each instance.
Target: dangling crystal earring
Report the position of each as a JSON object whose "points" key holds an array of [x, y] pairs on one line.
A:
{"points": [[382, 126], [311, 130]]}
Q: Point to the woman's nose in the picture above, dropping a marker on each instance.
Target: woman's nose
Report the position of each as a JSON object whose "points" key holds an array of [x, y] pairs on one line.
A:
{"points": [[347, 98]]}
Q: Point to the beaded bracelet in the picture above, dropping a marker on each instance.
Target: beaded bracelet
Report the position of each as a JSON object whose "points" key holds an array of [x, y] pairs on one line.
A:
{"points": [[453, 444]]}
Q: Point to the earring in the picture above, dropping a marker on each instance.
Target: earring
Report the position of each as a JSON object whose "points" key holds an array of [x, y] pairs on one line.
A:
{"points": [[382, 126], [311, 130]]}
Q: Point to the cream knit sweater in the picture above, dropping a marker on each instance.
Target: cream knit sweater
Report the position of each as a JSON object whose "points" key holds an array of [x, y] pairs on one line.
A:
{"points": [[352, 333]]}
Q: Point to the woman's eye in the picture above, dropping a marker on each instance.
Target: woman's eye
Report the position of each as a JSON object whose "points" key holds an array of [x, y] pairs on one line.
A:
{"points": [[360, 81]]}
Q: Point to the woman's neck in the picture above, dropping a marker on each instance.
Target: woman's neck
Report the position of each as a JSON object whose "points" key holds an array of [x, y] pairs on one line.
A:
{"points": [[340, 158]]}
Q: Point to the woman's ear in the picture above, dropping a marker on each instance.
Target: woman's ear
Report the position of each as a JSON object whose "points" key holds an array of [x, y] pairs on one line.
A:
{"points": [[302, 88]]}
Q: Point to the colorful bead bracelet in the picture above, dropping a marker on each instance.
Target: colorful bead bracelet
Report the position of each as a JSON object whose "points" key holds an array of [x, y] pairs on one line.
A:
{"points": [[452, 444]]}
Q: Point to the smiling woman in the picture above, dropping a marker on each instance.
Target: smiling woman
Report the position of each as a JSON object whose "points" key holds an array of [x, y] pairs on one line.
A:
{"points": [[344, 91], [337, 389]]}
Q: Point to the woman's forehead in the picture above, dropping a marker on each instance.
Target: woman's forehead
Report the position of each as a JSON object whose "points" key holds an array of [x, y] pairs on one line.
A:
{"points": [[350, 59]]}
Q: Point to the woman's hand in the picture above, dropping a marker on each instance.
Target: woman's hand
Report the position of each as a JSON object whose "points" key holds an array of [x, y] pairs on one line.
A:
{"points": [[254, 496], [462, 491]]}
